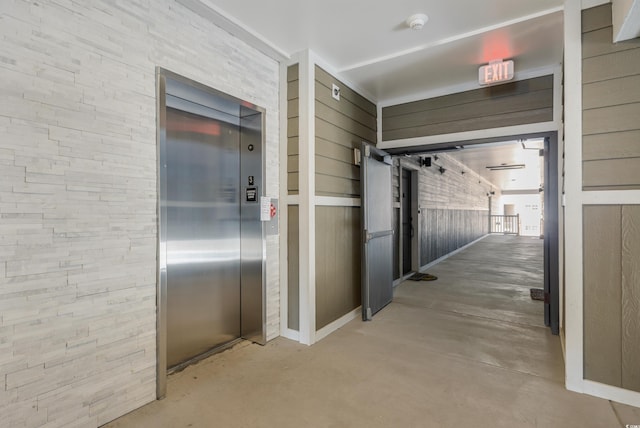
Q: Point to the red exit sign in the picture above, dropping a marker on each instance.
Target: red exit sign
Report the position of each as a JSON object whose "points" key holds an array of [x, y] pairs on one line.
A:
{"points": [[495, 72]]}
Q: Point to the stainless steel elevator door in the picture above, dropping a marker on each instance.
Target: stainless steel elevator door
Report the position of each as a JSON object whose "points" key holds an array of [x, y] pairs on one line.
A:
{"points": [[203, 234]]}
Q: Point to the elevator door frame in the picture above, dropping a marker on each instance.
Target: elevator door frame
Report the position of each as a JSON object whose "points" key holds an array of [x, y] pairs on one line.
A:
{"points": [[249, 111]]}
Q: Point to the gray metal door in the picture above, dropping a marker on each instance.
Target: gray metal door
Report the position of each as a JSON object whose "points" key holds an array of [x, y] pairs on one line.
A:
{"points": [[203, 234], [377, 250]]}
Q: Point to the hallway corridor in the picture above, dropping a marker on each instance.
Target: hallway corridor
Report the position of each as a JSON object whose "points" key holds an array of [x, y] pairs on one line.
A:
{"points": [[469, 349]]}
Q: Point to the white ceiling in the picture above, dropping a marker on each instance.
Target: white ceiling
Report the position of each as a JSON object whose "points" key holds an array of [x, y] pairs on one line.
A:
{"points": [[479, 157], [369, 44]]}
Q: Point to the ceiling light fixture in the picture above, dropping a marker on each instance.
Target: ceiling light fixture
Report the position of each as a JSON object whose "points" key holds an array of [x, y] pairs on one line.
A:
{"points": [[504, 167], [417, 21]]}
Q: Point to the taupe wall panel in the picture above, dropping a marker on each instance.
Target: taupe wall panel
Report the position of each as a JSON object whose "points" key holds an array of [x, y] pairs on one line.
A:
{"points": [[293, 72], [293, 112], [612, 174], [341, 126], [335, 151], [342, 121], [631, 297], [461, 98], [293, 263], [478, 109], [485, 122], [602, 294], [344, 106], [329, 185], [340, 169], [617, 118], [327, 131], [619, 64], [292, 146], [292, 183], [611, 105], [292, 108], [327, 80], [337, 262], [516, 103], [293, 89], [599, 42], [608, 93], [293, 127], [596, 18], [611, 146], [292, 163]]}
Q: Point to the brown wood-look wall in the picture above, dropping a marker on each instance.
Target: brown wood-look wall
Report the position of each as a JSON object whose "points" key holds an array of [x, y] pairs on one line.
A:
{"points": [[293, 131], [611, 105], [341, 126], [454, 208], [612, 295], [447, 230], [337, 263], [516, 103], [293, 267]]}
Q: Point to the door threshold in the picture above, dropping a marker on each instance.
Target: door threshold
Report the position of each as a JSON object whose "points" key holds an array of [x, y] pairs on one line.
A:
{"points": [[179, 367]]}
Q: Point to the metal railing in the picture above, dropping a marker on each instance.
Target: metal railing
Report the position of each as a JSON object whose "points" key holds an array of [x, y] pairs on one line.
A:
{"points": [[506, 224]]}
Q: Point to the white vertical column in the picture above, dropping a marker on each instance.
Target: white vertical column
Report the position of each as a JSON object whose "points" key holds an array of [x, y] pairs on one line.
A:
{"points": [[307, 190], [284, 203], [573, 190]]}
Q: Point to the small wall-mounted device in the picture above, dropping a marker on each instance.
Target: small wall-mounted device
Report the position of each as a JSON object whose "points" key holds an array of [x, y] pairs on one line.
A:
{"points": [[424, 161], [356, 156], [335, 91]]}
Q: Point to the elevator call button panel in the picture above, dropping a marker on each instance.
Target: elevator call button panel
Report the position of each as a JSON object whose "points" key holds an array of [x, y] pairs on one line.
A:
{"points": [[252, 194]]}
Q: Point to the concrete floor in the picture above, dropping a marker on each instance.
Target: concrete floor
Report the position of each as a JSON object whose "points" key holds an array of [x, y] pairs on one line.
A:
{"points": [[469, 349]]}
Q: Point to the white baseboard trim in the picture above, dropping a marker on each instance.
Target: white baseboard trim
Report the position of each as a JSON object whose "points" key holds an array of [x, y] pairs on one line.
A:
{"points": [[612, 393], [290, 334], [435, 262], [340, 322]]}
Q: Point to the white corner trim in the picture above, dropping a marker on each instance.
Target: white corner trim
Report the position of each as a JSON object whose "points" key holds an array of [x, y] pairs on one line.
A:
{"points": [[608, 392], [330, 201], [290, 334], [307, 257], [292, 199], [574, 340], [532, 128], [340, 322]]}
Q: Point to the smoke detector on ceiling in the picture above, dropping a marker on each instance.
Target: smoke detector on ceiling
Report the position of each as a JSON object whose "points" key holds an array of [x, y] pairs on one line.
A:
{"points": [[417, 21]]}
